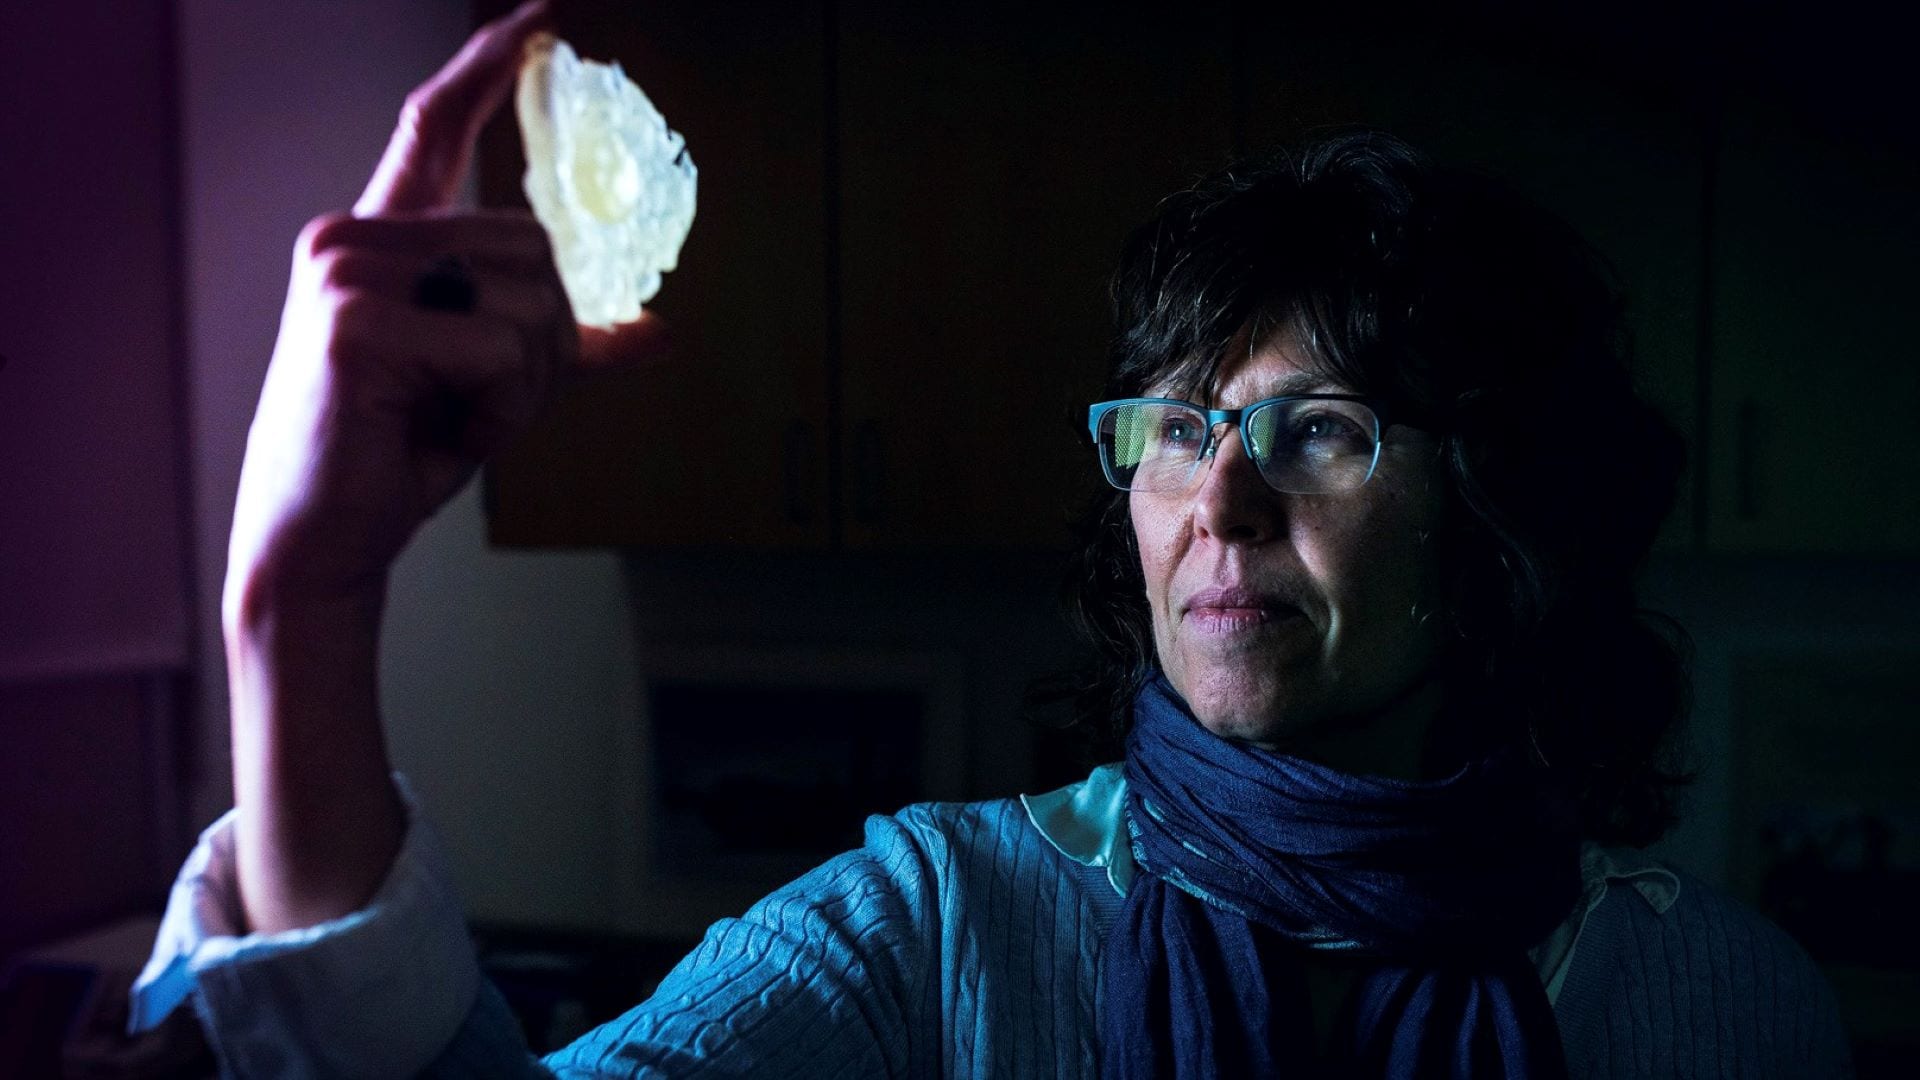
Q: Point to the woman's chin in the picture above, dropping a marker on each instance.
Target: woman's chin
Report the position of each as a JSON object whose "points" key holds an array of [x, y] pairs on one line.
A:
{"points": [[1248, 710]]}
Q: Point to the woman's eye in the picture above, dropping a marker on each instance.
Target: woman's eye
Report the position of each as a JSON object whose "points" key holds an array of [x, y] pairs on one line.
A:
{"points": [[1177, 432], [1327, 428]]}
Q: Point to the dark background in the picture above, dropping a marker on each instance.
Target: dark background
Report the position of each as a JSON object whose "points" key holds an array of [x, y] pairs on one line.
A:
{"points": [[901, 211]]}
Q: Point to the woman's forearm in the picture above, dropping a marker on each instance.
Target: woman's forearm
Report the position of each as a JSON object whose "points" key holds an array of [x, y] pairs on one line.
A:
{"points": [[319, 821]]}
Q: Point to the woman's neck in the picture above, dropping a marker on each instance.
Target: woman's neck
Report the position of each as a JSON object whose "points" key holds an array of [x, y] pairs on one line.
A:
{"points": [[1393, 741]]}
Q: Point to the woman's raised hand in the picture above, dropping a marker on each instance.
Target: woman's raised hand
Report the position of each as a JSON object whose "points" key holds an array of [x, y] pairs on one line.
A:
{"points": [[377, 410]]}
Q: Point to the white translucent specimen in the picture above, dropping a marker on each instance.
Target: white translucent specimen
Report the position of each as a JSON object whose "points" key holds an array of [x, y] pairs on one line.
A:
{"points": [[610, 181]]}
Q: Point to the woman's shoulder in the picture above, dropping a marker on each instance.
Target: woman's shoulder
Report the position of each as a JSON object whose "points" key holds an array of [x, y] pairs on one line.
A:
{"points": [[1721, 933], [1664, 954]]}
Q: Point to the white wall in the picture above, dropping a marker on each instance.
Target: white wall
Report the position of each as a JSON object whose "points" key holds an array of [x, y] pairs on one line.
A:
{"points": [[500, 671]]}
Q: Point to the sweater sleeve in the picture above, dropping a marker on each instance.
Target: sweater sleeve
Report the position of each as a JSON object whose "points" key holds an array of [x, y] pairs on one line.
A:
{"points": [[829, 975]]}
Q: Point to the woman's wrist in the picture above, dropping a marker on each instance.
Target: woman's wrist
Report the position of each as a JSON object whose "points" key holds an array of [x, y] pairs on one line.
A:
{"points": [[264, 593]]}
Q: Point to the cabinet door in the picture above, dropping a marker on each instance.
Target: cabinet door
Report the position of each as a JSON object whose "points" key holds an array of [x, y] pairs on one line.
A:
{"points": [[1816, 389], [723, 444], [992, 158], [1613, 148]]}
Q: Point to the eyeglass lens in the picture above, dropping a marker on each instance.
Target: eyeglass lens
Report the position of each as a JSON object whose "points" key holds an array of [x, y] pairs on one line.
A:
{"points": [[1301, 446]]}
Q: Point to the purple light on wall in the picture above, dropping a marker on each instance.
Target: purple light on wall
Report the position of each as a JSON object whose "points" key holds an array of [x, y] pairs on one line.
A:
{"points": [[92, 500], [95, 617]]}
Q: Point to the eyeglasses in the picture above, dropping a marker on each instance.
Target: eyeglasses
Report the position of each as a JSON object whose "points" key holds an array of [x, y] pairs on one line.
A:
{"points": [[1304, 444]]}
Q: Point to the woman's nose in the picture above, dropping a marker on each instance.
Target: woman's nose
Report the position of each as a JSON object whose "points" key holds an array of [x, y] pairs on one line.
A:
{"points": [[1232, 501]]}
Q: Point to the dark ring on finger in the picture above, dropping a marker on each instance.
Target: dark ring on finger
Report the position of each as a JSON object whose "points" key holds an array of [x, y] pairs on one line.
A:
{"points": [[446, 285]]}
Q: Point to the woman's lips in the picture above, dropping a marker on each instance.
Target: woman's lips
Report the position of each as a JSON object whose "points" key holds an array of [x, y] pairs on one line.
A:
{"points": [[1235, 620], [1233, 611]]}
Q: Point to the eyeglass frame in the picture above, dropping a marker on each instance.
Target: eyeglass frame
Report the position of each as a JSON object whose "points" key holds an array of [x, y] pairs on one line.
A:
{"points": [[1380, 408]]}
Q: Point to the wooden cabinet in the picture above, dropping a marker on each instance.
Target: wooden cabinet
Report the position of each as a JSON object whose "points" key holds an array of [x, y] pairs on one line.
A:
{"points": [[1814, 442], [993, 157], [891, 312]]}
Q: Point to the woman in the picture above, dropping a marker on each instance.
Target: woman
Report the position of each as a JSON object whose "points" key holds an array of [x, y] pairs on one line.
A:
{"points": [[1362, 587]]}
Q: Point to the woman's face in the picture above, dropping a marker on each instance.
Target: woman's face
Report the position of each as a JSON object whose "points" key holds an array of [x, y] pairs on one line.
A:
{"points": [[1329, 628]]}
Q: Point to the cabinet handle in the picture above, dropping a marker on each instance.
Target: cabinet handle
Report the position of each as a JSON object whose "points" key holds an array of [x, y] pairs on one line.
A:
{"points": [[1746, 469], [869, 473], [796, 466]]}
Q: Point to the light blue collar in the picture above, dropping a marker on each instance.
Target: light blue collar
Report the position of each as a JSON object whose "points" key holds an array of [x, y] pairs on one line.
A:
{"points": [[1086, 822]]}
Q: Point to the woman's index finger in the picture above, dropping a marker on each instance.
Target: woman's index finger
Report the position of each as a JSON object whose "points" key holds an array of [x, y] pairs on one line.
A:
{"points": [[426, 158]]}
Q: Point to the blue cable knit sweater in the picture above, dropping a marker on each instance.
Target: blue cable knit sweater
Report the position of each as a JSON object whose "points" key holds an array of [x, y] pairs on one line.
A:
{"points": [[962, 940]]}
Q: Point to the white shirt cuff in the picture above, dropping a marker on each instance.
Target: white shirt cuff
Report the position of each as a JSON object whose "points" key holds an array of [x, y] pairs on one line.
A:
{"points": [[378, 992]]}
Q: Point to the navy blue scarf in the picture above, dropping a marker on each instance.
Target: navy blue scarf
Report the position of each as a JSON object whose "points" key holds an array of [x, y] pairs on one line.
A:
{"points": [[1434, 890]]}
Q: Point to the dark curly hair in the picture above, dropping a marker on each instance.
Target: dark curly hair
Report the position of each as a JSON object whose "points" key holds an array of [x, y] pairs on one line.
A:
{"points": [[1491, 323]]}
